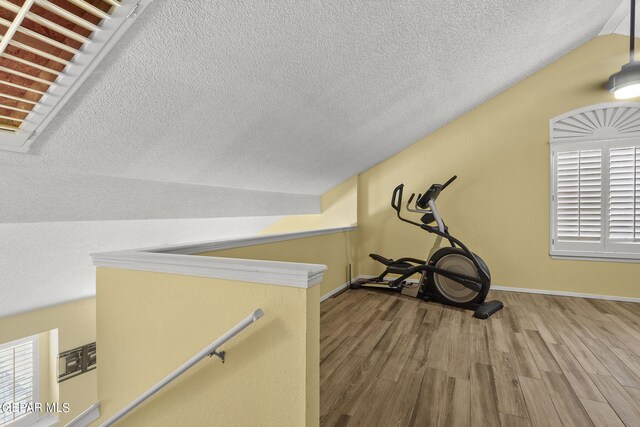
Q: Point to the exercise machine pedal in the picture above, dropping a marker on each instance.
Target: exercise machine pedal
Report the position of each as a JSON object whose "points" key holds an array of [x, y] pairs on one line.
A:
{"points": [[374, 283], [488, 308]]}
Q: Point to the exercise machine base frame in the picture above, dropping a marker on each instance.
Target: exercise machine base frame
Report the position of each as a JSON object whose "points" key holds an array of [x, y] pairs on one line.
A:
{"points": [[480, 311]]}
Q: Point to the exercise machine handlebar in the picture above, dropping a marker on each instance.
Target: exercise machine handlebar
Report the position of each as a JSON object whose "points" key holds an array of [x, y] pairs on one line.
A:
{"points": [[433, 192], [396, 199], [446, 184]]}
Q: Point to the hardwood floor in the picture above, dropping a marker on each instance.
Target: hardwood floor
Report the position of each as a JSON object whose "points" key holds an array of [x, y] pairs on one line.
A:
{"points": [[389, 360]]}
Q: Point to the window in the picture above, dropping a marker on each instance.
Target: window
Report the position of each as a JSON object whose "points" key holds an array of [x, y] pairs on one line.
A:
{"points": [[47, 49], [595, 183], [18, 381]]}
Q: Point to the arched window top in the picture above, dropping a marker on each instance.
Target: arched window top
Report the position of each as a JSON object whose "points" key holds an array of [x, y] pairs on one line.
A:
{"points": [[597, 122]]}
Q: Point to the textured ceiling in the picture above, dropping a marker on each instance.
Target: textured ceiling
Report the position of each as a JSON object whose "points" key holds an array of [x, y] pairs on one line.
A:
{"points": [[268, 96], [294, 96], [45, 197]]}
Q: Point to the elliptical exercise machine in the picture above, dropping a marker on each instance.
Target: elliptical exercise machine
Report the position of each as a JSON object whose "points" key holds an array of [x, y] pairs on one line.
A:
{"points": [[451, 275]]}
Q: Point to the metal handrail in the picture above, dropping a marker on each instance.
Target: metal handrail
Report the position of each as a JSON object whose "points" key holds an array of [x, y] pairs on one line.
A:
{"points": [[210, 350]]}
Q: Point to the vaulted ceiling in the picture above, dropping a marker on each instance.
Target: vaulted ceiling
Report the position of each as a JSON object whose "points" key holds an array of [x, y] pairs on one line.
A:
{"points": [[294, 96], [282, 99]]}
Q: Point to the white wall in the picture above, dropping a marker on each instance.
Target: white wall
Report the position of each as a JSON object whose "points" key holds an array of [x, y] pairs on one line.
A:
{"points": [[48, 263]]}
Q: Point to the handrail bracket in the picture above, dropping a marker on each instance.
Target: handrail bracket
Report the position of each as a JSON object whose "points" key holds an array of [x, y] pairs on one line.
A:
{"points": [[219, 354]]}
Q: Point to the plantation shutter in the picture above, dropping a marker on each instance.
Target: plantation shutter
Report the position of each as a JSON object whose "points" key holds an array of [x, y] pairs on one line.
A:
{"points": [[18, 377], [624, 199], [595, 182], [578, 204]]}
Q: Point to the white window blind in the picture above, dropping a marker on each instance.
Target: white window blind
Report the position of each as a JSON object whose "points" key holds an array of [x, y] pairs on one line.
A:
{"points": [[579, 195], [596, 199], [18, 380], [624, 194]]}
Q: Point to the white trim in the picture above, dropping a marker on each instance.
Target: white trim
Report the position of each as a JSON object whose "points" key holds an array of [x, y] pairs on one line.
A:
{"points": [[597, 126], [619, 15], [537, 291], [292, 274], [48, 420], [87, 416], [564, 293], [218, 245], [180, 259], [336, 291], [633, 258]]}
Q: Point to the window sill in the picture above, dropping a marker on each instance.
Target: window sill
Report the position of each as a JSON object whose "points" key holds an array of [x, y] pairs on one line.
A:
{"points": [[48, 420], [594, 258]]}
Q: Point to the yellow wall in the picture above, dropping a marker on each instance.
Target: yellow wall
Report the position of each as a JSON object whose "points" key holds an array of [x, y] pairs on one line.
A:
{"points": [[76, 325], [339, 209], [334, 250], [150, 323], [499, 206], [312, 357]]}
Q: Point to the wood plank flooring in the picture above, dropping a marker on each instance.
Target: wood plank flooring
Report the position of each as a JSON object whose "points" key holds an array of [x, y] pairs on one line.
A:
{"points": [[389, 360]]}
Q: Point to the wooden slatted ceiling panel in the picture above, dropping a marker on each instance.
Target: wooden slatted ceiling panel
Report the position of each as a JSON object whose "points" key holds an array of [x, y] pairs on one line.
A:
{"points": [[42, 46]]}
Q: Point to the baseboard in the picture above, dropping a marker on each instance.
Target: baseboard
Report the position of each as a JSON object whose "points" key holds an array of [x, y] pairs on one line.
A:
{"points": [[564, 294], [336, 291], [543, 292], [48, 420], [90, 414]]}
